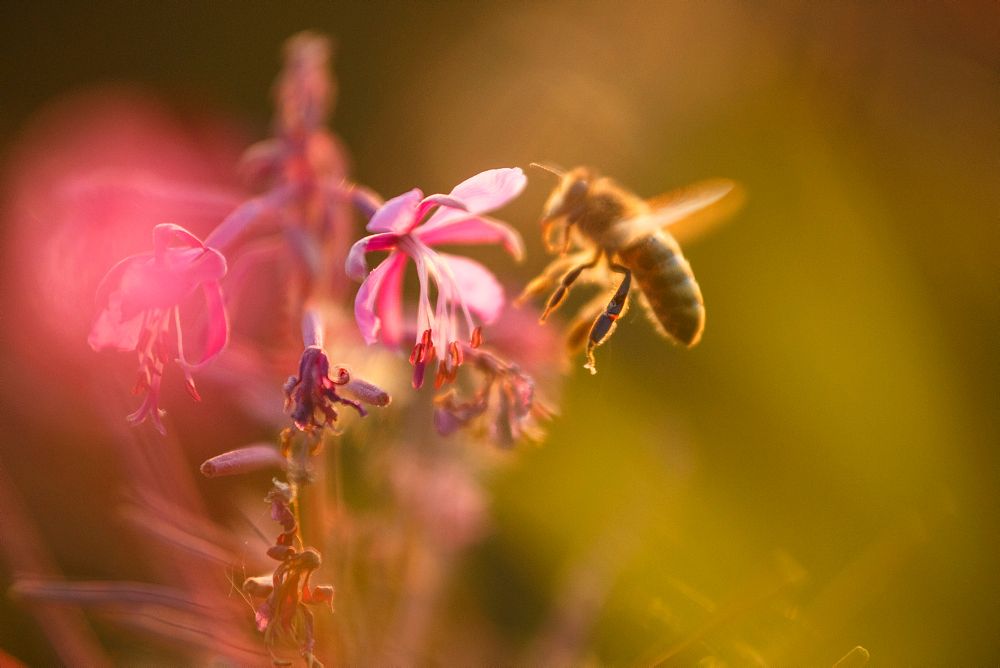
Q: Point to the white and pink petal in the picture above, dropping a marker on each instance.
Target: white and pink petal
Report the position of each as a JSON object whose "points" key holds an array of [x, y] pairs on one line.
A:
{"points": [[398, 214], [216, 329], [356, 267], [477, 286], [366, 301], [484, 192], [389, 303], [474, 230]]}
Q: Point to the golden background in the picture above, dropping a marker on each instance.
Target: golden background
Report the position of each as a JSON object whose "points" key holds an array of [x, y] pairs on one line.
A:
{"points": [[821, 471]]}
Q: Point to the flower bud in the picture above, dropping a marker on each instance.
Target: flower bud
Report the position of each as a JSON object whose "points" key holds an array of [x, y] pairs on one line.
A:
{"points": [[243, 460]]}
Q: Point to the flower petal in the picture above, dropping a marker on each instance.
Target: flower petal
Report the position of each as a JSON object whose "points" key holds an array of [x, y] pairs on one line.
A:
{"points": [[477, 230], [398, 214], [432, 201], [356, 267], [196, 266], [478, 287], [389, 302], [113, 279], [112, 328], [166, 235], [484, 192], [365, 313], [217, 328], [166, 281], [111, 331]]}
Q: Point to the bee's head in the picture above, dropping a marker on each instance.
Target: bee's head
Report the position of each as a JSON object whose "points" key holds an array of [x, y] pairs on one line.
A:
{"points": [[569, 194], [565, 203]]}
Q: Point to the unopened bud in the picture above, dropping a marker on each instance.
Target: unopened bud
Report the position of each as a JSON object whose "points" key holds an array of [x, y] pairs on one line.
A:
{"points": [[258, 585], [367, 393], [312, 328], [244, 460]]}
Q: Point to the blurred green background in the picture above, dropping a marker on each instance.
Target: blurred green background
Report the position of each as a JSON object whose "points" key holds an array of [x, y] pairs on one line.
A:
{"points": [[821, 471]]}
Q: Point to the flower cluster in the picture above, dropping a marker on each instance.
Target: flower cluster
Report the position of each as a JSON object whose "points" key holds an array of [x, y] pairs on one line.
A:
{"points": [[300, 214]]}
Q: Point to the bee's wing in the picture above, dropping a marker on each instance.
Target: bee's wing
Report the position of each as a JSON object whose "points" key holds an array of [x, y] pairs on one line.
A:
{"points": [[689, 212]]}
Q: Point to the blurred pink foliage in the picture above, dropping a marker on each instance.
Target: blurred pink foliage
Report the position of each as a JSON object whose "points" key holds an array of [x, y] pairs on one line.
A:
{"points": [[95, 172]]}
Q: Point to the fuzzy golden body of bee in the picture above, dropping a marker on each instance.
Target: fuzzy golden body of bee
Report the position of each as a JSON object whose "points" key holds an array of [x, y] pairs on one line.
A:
{"points": [[668, 288], [611, 219], [608, 221]]}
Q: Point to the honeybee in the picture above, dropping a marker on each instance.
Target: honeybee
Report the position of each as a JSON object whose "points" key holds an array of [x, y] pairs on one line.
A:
{"points": [[605, 220]]}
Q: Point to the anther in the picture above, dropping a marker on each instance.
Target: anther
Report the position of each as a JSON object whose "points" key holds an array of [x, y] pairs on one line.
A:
{"points": [[455, 354], [441, 377]]}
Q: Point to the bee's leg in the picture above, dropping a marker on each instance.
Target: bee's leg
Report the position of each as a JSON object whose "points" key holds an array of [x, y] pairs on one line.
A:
{"points": [[567, 280], [567, 237], [549, 230], [605, 323], [549, 276], [578, 332], [557, 234]]}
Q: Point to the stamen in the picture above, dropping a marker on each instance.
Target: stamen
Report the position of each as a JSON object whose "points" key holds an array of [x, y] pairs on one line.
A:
{"points": [[441, 377], [455, 354], [418, 375], [477, 337], [427, 352], [417, 353]]}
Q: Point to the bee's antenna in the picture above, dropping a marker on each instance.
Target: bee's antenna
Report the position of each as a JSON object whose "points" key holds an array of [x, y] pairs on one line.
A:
{"points": [[555, 171]]}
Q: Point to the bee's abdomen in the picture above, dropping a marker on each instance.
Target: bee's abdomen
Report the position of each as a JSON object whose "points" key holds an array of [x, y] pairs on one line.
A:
{"points": [[671, 293]]}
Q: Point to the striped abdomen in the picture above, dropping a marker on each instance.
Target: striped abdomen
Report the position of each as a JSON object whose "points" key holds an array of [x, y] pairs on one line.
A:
{"points": [[671, 293]]}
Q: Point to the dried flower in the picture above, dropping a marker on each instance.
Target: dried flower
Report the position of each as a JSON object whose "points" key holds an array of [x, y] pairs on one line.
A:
{"points": [[282, 614], [505, 403], [312, 394], [402, 227], [139, 300]]}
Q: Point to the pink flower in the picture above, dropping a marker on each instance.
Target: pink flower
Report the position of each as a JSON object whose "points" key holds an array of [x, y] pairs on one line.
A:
{"points": [[464, 287], [139, 300]]}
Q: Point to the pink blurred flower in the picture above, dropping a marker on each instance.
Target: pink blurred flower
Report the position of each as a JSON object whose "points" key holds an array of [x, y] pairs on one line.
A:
{"points": [[464, 287], [140, 301], [83, 186]]}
